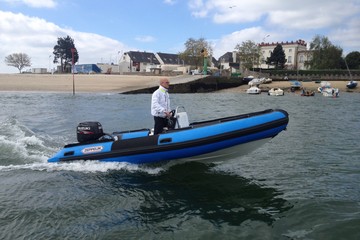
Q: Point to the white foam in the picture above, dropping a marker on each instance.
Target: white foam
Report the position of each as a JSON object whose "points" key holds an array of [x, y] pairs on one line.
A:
{"points": [[84, 166]]}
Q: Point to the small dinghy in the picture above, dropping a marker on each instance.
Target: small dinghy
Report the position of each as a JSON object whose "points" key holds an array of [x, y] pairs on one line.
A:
{"points": [[351, 84], [253, 90], [276, 92], [212, 140]]}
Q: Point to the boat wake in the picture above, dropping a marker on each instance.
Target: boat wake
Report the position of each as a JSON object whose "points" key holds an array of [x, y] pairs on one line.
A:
{"points": [[85, 167], [22, 149], [18, 144]]}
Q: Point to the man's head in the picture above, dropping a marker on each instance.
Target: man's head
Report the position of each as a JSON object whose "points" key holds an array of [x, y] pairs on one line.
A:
{"points": [[164, 82]]}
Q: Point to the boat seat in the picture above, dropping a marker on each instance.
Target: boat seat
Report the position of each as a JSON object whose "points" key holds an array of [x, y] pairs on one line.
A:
{"points": [[182, 120]]}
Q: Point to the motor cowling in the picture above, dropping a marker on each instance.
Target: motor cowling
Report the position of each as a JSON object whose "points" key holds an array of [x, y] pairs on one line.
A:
{"points": [[89, 131]]}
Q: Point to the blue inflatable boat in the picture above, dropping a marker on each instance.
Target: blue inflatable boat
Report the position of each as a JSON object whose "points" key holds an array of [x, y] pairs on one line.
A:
{"points": [[212, 140]]}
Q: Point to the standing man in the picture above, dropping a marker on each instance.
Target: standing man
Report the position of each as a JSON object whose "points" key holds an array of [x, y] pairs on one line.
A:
{"points": [[160, 106]]}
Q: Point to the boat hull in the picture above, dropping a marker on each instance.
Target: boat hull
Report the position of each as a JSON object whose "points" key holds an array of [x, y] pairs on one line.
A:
{"points": [[276, 92], [351, 84], [253, 90], [202, 141], [330, 92], [295, 85]]}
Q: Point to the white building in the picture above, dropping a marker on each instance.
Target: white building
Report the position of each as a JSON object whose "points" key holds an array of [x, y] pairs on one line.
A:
{"points": [[295, 54], [135, 61]]}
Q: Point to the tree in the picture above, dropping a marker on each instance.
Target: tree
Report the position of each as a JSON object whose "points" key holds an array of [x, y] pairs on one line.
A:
{"points": [[249, 53], [324, 54], [62, 51], [277, 57], [353, 60], [194, 51], [18, 60]]}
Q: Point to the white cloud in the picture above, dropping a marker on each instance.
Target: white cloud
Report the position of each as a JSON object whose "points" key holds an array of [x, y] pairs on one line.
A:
{"points": [[284, 21], [198, 8], [236, 20], [228, 42], [145, 39], [307, 14], [37, 38], [34, 3], [170, 2], [347, 35]]}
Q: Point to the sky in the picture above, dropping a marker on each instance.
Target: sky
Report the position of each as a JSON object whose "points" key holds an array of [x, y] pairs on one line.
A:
{"points": [[104, 30]]}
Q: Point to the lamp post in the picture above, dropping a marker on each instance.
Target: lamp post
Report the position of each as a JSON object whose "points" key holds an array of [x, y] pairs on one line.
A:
{"points": [[73, 62], [266, 37]]}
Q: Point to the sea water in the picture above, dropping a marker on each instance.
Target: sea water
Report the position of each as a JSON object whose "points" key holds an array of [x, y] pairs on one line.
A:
{"points": [[303, 184]]}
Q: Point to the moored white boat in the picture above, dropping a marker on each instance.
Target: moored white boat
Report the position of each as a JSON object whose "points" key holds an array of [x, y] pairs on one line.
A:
{"points": [[253, 90], [330, 92], [258, 81], [276, 92], [255, 82], [267, 80], [324, 85], [327, 91]]}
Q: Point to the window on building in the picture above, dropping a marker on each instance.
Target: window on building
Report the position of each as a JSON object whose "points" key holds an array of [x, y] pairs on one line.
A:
{"points": [[289, 59], [301, 60], [290, 50]]}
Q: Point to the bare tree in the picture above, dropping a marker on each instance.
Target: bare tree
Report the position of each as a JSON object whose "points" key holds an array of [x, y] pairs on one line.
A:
{"points": [[18, 60], [194, 51]]}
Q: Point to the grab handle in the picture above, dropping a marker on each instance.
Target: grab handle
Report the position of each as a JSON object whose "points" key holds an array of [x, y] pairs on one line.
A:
{"points": [[166, 140]]}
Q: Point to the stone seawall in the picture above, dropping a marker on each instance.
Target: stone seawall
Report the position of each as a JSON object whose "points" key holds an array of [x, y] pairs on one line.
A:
{"points": [[207, 84]]}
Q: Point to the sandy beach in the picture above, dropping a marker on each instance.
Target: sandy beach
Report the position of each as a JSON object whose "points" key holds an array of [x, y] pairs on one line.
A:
{"points": [[83, 83], [119, 83]]}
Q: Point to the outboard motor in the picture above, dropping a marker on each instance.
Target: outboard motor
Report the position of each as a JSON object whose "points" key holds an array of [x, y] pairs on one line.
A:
{"points": [[89, 131]]}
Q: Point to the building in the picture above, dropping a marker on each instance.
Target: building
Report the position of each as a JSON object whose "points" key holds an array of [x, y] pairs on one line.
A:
{"points": [[296, 54], [135, 61], [229, 61], [108, 68], [87, 68], [302, 58], [172, 62], [39, 70]]}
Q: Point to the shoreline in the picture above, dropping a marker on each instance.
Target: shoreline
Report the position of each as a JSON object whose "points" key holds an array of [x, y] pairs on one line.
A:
{"points": [[102, 83], [285, 85]]}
